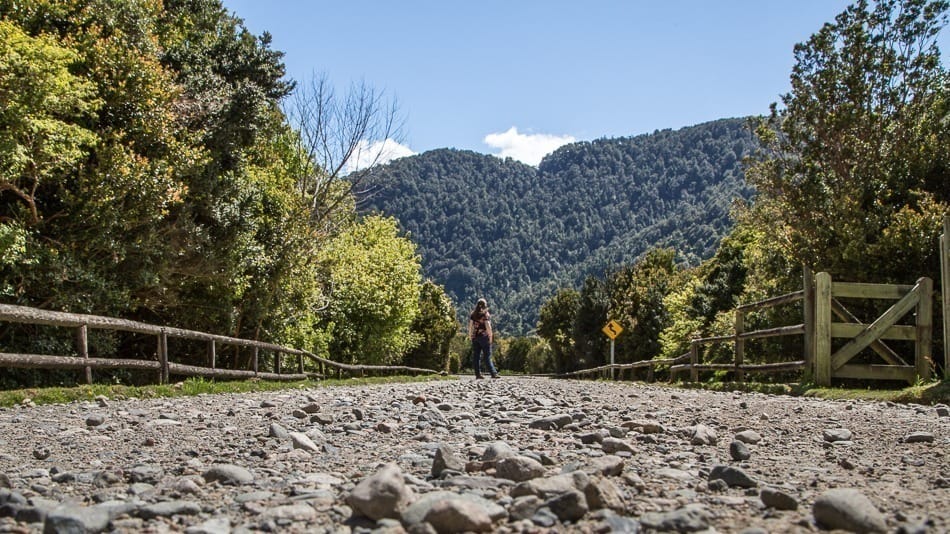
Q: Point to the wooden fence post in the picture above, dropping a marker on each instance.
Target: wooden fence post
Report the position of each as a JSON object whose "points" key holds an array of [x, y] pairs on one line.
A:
{"points": [[823, 329], [212, 353], [300, 364], [740, 345], [163, 357], [945, 293], [254, 360], [808, 317], [277, 362], [82, 340], [924, 345], [693, 362]]}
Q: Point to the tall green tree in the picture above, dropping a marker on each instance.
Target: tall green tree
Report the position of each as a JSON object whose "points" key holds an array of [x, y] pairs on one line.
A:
{"points": [[637, 296], [853, 176], [590, 343], [44, 112], [96, 237], [435, 325], [556, 321], [375, 278]]}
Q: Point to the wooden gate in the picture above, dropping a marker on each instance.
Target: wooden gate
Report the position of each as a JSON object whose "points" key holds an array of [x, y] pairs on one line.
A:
{"points": [[916, 298]]}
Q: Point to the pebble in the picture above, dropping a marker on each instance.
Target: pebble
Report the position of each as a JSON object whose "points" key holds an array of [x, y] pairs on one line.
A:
{"points": [[514, 455]]}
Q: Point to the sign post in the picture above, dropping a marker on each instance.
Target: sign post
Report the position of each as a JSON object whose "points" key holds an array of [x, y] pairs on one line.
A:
{"points": [[612, 329]]}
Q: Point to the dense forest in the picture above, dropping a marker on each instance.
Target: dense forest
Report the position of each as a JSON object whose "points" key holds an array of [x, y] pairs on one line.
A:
{"points": [[148, 171], [512, 233]]}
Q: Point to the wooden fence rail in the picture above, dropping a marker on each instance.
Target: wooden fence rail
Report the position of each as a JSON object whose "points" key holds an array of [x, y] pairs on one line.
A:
{"points": [[690, 362], [163, 366], [606, 370], [945, 293], [820, 305], [740, 335]]}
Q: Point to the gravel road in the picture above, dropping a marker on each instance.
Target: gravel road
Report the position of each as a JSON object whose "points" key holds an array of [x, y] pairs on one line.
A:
{"points": [[506, 455]]}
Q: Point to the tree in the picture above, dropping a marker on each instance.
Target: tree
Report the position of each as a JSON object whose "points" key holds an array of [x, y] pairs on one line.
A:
{"points": [[556, 326], [435, 325], [636, 295], [375, 278], [43, 116], [858, 155], [589, 341], [343, 136]]}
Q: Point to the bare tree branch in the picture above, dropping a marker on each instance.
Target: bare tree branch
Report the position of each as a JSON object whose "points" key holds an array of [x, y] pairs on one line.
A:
{"points": [[344, 138]]}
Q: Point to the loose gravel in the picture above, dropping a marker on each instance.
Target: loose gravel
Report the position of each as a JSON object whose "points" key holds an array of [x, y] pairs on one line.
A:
{"points": [[506, 455]]}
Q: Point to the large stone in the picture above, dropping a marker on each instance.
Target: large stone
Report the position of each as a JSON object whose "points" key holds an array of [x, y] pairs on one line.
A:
{"points": [[169, 508], [609, 465], [733, 476], [833, 435], [383, 494], [552, 422], [278, 431], [847, 509], [778, 499], [615, 445], [67, 519], [458, 515], [738, 451], [519, 468], [548, 487], [496, 451], [703, 435], [749, 436], [919, 437], [228, 475], [416, 513], [568, 506], [446, 458], [690, 518], [303, 442], [604, 493]]}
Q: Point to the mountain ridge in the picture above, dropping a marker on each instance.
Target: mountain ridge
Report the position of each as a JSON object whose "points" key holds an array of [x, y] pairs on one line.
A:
{"points": [[513, 233]]}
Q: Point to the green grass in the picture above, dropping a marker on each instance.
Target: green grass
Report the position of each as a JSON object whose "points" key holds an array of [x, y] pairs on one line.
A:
{"points": [[190, 387], [928, 393]]}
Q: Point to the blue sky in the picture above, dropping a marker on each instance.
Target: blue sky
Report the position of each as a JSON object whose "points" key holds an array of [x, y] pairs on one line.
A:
{"points": [[519, 77]]}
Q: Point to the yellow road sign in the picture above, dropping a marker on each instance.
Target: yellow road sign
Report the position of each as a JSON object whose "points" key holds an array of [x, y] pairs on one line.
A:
{"points": [[612, 329]]}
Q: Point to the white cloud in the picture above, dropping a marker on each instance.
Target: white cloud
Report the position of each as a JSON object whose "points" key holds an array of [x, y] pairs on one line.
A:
{"points": [[527, 148], [376, 153]]}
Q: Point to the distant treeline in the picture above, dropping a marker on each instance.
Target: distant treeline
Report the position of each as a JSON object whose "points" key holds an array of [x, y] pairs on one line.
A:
{"points": [[494, 228]]}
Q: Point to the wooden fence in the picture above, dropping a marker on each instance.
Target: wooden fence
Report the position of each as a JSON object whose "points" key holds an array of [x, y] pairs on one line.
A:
{"points": [[945, 293], [690, 361], [617, 369], [820, 297], [163, 366], [835, 364]]}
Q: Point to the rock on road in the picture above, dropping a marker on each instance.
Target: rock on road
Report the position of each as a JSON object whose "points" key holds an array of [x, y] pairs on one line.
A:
{"points": [[508, 455]]}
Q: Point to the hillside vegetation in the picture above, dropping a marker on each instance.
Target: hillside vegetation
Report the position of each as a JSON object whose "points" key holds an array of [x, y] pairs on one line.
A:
{"points": [[148, 171], [514, 234]]}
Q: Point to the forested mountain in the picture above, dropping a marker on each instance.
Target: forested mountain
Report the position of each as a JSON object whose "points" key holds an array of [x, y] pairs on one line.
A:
{"points": [[514, 234]]}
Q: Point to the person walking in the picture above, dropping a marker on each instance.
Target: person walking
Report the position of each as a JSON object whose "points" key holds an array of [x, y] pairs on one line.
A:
{"points": [[479, 331]]}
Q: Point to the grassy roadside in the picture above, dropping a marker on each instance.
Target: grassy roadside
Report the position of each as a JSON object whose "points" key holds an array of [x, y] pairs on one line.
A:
{"points": [[189, 387], [928, 393]]}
